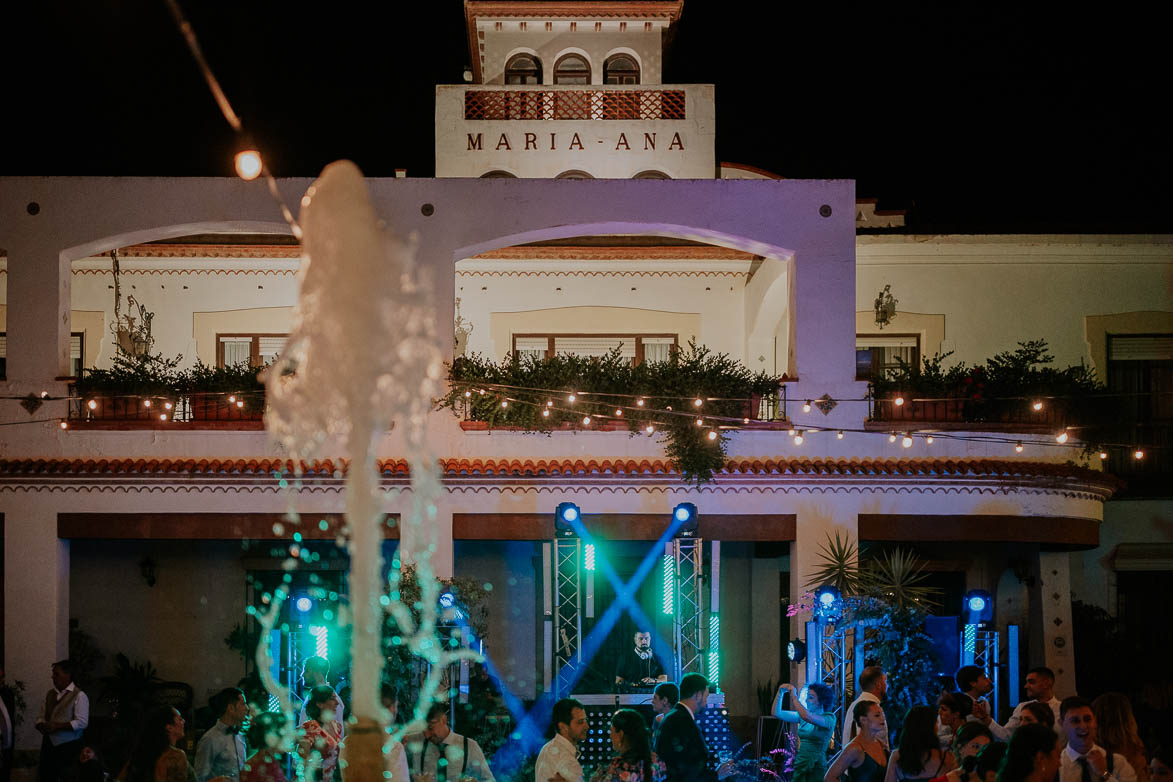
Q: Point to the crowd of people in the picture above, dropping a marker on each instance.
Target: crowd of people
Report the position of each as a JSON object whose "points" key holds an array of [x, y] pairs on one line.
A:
{"points": [[1046, 739]]}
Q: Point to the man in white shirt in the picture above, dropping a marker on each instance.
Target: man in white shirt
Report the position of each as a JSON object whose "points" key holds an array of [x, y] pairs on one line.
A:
{"points": [[462, 756], [558, 760], [1040, 687], [973, 682], [64, 715], [315, 673], [1083, 760], [221, 751], [873, 685]]}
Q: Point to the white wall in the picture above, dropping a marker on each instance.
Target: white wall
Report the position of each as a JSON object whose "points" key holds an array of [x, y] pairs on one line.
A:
{"points": [[1093, 579]]}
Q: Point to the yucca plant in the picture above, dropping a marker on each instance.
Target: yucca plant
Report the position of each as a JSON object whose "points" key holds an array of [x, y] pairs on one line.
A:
{"points": [[895, 576], [839, 566]]}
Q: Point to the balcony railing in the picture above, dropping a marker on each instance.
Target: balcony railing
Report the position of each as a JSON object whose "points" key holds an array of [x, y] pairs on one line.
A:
{"points": [[1001, 414], [593, 104], [198, 410]]}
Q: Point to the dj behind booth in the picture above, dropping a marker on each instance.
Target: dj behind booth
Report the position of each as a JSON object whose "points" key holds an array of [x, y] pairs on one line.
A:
{"points": [[637, 671]]}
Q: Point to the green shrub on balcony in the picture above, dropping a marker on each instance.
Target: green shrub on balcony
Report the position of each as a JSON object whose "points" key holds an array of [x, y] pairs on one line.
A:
{"points": [[1000, 390], [536, 394]]}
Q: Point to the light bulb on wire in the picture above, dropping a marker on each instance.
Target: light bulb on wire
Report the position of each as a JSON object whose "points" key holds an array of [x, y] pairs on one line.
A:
{"points": [[1061, 437], [798, 438], [906, 441], [839, 435], [899, 401], [1138, 454], [806, 406], [1018, 447], [1038, 405], [712, 435], [248, 164], [891, 438]]}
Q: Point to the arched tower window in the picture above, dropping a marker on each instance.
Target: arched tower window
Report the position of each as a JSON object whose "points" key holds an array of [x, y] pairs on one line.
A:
{"points": [[572, 69], [574, 174], [620, 69], [651, 174], [498, 174], [523, 69]]}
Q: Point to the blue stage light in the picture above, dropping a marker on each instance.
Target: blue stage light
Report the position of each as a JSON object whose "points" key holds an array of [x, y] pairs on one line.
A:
{"points": [[684, 516], [796, 651], [977, 603], [447, 600], [303, 604], [682, 513], [566, 516], [978, 607], [828, 603]]}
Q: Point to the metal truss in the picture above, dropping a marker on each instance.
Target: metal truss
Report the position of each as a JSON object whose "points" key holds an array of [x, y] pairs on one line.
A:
{"points": [[688, 613], [980, 647], [834, 651], [567, 612]]}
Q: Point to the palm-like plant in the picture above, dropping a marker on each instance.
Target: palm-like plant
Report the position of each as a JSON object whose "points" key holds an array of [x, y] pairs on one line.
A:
{"points": [[839, 566], [895, 577]]}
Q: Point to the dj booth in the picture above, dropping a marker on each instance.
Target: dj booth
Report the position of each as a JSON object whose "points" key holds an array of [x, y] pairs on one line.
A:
{"points": [[596, 749]]}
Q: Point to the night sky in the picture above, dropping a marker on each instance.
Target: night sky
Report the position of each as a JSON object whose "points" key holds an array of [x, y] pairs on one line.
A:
{"points": [[973, 119]]}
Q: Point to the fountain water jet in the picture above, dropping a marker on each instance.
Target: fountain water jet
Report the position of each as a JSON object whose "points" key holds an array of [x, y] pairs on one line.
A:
{"points": [[364, 353]]}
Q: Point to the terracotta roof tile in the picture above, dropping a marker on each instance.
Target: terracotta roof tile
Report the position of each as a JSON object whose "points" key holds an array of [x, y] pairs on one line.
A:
{"points": [[539, 468]]}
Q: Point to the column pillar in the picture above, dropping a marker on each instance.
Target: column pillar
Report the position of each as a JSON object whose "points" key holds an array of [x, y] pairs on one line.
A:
{"points": [[1050, 634], [435, 536], [818, 520], [36, 605], [38, 317]]}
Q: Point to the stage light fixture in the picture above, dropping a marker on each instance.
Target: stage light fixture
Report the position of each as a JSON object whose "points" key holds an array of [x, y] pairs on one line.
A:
{"points": [[685, 515], [978, 607], [828, 603], [796, 651], [565, 517], [303, 604]]}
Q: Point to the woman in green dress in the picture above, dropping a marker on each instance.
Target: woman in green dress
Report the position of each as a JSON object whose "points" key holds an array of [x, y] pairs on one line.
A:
{"points": [[816, 723]]}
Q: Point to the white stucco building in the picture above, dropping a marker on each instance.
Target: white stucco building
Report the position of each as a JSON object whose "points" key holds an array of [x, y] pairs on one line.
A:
{"points": [[768, 270]]}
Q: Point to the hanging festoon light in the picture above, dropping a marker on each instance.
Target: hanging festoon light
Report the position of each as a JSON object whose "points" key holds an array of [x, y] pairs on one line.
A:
{"points": [[806, 406], [1061, 437], [1018, 447], [247, 161], [1037, 405], [798, 438]]}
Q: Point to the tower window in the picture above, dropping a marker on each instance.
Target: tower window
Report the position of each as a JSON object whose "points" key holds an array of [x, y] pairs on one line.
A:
{"points": [[523, 69], [572, 69], [620, 69]]}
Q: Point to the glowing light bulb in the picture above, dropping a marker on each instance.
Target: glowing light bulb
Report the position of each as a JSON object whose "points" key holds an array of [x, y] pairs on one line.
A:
{"points": [[891, 438], [240, 403], [899, 401], [712, 435], [162, 416], [745, 420], [232, 399], [791, 432], [571, 398], [1038, 405], [504, 403], [839, 435], [1138, 454], [700, 422], [248, 164], [545, 414], [64, 424], [44, 394], [929, 440], [1103, 455], [798, 438], [146, 403], [1061, 437], [906, 441], [481, 391], [698, 402], [168, 405], [1018, 447], [650, 429], [92, 404], [467, 394], [586, 420], [549, 403], [806, 407], [639, 403], [618, 413]]}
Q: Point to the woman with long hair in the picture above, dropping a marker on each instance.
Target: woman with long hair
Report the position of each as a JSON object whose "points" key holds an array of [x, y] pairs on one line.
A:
{"points": [[634, 760], [321, 732], [155, 757], [816, 723], [1116, 731], [920, 755], [971, 739], [865, 759], [1032, 755]]}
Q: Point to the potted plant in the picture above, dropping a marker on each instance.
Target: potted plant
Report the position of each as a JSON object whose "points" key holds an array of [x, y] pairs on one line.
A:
{"points": [[231, 393], [133, 388]]}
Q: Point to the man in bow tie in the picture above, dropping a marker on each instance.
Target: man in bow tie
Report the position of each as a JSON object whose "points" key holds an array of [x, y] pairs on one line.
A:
{"points": [[221, 751]]}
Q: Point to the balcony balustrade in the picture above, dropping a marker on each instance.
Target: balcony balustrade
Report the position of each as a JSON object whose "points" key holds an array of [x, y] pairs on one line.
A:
{"points": [[613, 103]]}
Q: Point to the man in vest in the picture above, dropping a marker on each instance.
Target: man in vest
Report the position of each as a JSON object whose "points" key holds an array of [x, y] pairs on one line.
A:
{"points": [[441, 755], [64, 715]]}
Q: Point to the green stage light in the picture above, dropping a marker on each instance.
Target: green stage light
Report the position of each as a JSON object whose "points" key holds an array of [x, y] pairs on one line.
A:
{"points": [[588, 556], [714, 649], [669, 584]]}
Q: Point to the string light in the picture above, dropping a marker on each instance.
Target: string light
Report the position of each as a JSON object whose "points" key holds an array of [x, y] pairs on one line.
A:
{"points": [[64, 424], [248, 164], [618, 413], [168, 405], [1018, 447], [929, 440], [639, 402], [468, 394], [798, 438], [504, 403], [1103, 455], [698, 402], [839, 435], [712, 435], [650, 429], [232, 399], [240, 403], [1061, 437], [146, 403], [1038, 405], [906, 441], [1138, 454], [162, 416], [92, 404], [549, 403], [571, 398], [546, 413], [899, 401], [806, 406], [791, 432], [586, 420], [891, 438], [700, 422]]}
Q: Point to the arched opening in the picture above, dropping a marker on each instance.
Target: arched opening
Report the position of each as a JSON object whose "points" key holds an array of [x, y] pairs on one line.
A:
{"points": [[498, 174], [651, 173], [620, 69], [574, 174], [523, 68], [572, 69]]}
